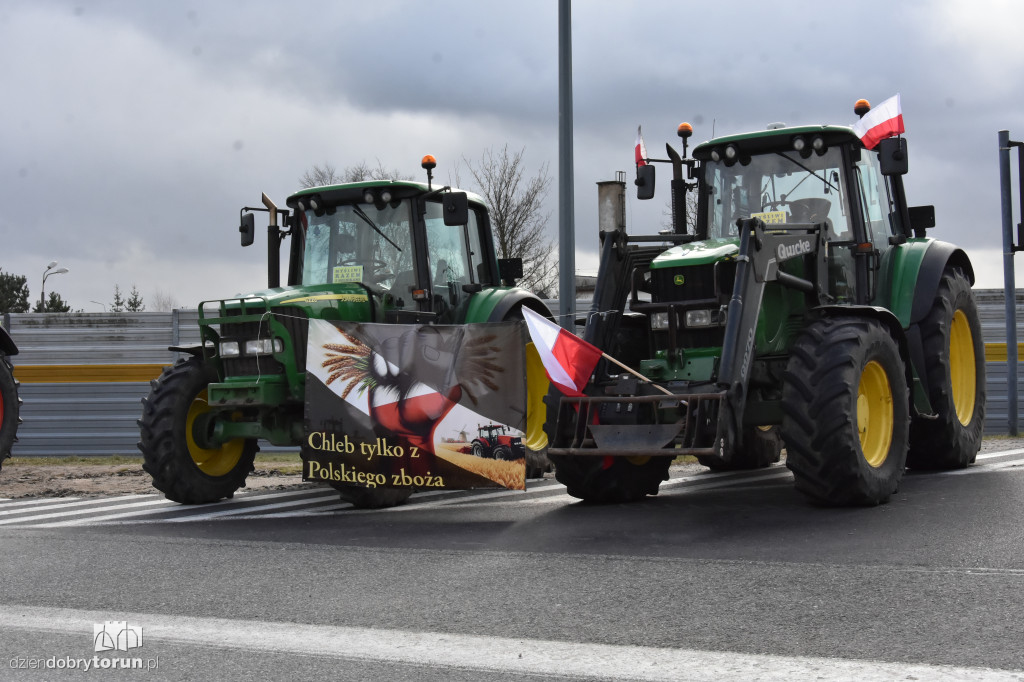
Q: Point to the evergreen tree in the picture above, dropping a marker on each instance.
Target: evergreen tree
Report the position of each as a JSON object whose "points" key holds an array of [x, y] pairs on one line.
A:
{"points": [[13, 293], [118, 304], [134, 303], [54, 304]]}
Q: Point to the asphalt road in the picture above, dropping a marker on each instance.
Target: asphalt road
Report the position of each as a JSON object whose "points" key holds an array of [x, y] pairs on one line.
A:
{"points": [[719, 577]]}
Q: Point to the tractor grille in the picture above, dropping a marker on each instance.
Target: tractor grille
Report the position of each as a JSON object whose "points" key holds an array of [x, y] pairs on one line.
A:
{"points": [[695, 287], [712, 281], [294, 322]]}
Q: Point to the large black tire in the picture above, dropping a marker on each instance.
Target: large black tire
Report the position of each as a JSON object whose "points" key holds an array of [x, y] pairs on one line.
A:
{"points": [[604, 480], [372, 498], [10, 408], [762, 447], [955, 367], [182, 470], [846, 412]]}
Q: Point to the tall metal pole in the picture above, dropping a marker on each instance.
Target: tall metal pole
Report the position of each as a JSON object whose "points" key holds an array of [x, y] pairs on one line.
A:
{"points": [[566, 217], [1009, 281]]}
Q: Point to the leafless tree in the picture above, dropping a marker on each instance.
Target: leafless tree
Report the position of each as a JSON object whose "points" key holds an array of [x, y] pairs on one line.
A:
{"points": [[517, 217], [326, 174], [163, 302], [691, 213]]}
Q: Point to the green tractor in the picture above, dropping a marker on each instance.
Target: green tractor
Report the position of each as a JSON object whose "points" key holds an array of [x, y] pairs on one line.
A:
{"points": [[10, 403], [802, 307], [385, 252]]}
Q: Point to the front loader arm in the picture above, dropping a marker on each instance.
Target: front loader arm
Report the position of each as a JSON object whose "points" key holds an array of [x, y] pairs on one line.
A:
{"points": [[761, 253]]}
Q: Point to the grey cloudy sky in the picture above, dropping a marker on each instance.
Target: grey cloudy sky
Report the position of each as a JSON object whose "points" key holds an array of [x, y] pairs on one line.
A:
{"points": [[133, 132]]}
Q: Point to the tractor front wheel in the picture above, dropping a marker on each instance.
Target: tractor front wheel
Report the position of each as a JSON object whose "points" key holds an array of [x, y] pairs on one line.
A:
{"points": [[182, 469], [604, 480], [846, 412], [372, 498], [762, 447], [9, 408], [955, 368], [608, 480]]}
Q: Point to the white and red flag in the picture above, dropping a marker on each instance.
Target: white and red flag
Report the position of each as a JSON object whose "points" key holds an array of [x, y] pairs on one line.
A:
{"points": [[568, 360], [640, 151], [881, 122]]}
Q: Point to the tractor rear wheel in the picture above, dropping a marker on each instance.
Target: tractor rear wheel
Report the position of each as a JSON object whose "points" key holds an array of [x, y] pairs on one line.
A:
{"points": [[10, 406], [846, 412], [955, 369], [762, 447], [181, 469], [372, 498]]}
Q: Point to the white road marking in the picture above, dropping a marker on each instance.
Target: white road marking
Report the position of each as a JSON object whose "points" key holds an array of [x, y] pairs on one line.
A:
{"points": [[543, 492], [90, 510], [492, 654], [10, 502], [61, 503], [1004, 453], [174, 506], [331, 495]]}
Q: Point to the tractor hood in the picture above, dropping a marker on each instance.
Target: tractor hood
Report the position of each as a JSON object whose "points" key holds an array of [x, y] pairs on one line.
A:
{"points": [[342, 301], [697, 253]]}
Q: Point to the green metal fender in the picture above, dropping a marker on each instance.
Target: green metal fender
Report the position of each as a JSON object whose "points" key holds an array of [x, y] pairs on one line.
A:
{"points": [[913, 279], [505, 303], [911, 286], [502, 303]]}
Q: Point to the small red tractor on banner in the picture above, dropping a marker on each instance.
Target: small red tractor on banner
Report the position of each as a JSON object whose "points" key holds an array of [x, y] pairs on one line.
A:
{"points": [[10, 403], [378, 252], [496, 442], [803, 306]]}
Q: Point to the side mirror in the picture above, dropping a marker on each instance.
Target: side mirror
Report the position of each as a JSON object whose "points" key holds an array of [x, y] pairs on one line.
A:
{"points": [[455, 207], [509, 270], [892, 156], [645, 182], [248, 228], [921, 218]]}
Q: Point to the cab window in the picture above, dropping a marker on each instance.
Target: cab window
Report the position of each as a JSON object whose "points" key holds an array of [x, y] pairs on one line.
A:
{"points": [[454, 259], [873, 199]]}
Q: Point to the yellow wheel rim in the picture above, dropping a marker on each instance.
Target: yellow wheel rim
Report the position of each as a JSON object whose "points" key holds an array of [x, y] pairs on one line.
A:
{"points": [[216, 461], [962, 369], [874, 414]]}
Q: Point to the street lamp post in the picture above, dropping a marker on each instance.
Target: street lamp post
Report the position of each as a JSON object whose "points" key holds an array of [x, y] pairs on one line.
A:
{"points": [[46, 273]]}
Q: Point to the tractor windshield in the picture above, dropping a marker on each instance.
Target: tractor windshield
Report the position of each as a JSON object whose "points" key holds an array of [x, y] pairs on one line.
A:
{"points": [[779, 187], [357, 243]]}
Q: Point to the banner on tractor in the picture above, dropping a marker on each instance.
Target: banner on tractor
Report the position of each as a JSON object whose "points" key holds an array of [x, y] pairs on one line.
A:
{"points": [[415, 406]]}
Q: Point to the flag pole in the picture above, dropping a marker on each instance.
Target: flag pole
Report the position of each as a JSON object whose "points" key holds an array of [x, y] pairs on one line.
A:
{"points": [[638, 375]]}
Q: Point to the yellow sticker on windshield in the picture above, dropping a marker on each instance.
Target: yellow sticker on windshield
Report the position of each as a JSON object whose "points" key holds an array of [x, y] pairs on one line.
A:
{"points": [[347, 273], [770, 217]]}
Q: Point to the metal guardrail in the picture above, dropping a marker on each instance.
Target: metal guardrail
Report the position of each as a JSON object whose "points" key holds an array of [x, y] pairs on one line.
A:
{"points": [[84, 374]]}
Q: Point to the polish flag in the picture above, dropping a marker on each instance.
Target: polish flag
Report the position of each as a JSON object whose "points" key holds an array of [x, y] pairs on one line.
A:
{"points": [[640, 150], [881, 122], [568, 360]]}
